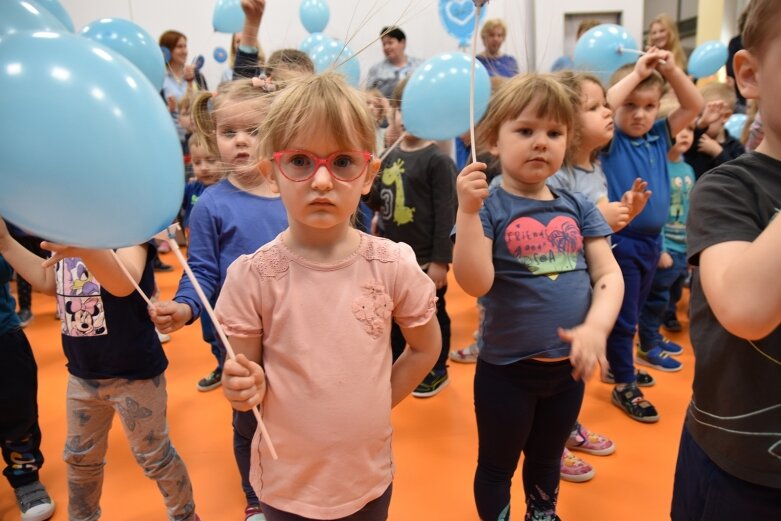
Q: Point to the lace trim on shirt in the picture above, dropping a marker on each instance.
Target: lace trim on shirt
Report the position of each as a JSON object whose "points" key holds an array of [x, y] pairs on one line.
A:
{"points": [[373, 308], [379, 249], [271, 262]]}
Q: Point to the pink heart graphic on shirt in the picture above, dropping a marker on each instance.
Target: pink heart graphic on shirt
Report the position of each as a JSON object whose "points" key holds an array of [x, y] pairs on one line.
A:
{"points": [[545, 250], [460, 12]]}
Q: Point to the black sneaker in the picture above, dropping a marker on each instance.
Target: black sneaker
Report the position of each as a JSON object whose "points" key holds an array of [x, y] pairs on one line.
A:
{"points": [[210, 381], [34, 502], [671, 324], [159, 265], [431, 385], [642, 378], [25, 317], [630, 400]]}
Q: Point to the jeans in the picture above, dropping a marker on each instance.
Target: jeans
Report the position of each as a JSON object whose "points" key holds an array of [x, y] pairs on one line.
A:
{"points": [[657, 302], [20, 436]]}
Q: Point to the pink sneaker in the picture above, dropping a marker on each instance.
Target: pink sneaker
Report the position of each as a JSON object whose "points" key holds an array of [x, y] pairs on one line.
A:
{"points": [[584, 440], [574, 469]]}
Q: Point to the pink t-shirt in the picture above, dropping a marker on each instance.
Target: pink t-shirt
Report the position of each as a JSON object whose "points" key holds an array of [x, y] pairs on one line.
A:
{"points": [[325, 331]]}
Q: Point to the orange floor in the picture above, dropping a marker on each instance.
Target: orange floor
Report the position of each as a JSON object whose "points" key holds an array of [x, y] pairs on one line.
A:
{"points": [[435, 440]]}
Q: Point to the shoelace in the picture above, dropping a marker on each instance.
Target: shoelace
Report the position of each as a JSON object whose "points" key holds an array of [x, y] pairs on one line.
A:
{"points": [[31, 495]]}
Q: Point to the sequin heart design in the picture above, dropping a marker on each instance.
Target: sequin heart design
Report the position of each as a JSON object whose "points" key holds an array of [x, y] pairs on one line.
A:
{"points": [[545, 250], [460, 12]]}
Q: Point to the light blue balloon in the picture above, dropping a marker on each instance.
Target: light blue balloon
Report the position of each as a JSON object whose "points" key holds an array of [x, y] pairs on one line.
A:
{"points": [[436, 99], [314, 15], [18, 16], [603, 49], [228, 16], [707, 59], [56, 8], [334, 54], [91, 157], [166, 54], [312, 42], [458, 19], [735, 125], [131, 41]]}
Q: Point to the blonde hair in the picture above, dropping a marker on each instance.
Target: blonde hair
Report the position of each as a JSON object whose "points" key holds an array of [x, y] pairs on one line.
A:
{"points": [[185, 102], [717, 91], [574, 82], [673, 39], [326, 100], [490, 25], [206, 107], [760, 27], [652, 80], [550, 98], [199, 140]]}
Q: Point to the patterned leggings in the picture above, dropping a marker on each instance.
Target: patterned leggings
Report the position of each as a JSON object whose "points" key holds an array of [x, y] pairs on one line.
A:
{"points": [[141, 404]]}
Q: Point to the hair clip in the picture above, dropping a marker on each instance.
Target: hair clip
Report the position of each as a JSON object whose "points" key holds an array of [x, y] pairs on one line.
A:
{"points": [[264, 82]]}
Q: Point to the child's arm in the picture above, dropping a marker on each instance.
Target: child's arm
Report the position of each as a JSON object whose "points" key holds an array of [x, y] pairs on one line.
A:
{"points": [[739, 282], [243, 380], [246, 61], [643, 68], [472, 254], [425, 343], [103, 265], [589, 338], [26, 263], [690, 99]]}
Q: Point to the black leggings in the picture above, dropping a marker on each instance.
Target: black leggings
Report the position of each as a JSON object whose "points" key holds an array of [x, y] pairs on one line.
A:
{"points": [[527, 406], [375, 510]]}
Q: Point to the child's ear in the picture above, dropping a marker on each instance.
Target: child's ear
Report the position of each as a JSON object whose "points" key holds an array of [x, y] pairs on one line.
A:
{"points": [[371, 173], [746, 70], [266, 168]]}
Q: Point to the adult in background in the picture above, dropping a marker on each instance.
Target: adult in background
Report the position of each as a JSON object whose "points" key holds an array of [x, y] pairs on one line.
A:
{"points": [[396, 66], [663, 34], [493, 34]]}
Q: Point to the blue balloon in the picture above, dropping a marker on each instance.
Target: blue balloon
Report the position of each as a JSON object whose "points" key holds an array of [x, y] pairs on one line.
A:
{"points": [[228, 16], [335, 54], [603, 49], [735, 125], [707, 59], [314, 15], [458, 18], [220, 55], [18, 16], [93, 158], [131, 41], [313, 41], [56, 8], [436, 99], [166, 53]]}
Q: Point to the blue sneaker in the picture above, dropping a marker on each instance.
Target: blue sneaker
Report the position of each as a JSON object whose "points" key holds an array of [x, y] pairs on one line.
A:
{"points": [[658, 359], [670, 347]]}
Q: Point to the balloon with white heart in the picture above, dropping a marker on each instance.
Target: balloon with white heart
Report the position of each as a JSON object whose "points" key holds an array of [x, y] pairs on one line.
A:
{"points": [[458, 18]]}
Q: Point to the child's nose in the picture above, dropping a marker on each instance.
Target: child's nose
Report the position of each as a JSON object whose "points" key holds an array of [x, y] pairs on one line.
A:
{"points": [[322, 179]]}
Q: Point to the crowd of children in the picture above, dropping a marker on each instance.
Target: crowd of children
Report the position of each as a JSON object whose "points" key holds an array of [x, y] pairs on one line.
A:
{"points": [[605, 194]]}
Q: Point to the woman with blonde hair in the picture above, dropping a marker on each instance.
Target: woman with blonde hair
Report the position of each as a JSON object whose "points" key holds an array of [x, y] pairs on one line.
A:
{"points": [[663, 34], [493, 34]]}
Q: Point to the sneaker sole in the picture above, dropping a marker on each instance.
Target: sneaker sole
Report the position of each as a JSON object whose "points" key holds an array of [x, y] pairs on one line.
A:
{"points": [[435, 392], [594, 452], [40, 514], [644, 419], [578, 478], [646, 363], [207, 388]]}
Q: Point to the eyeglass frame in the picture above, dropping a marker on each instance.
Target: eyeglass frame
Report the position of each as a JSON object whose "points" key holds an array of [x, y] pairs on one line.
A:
{"points": [[321, 161]]}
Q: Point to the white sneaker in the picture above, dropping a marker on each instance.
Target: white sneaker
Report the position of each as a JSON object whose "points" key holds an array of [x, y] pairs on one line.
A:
{"points": [[34, 502], [467, 355]]}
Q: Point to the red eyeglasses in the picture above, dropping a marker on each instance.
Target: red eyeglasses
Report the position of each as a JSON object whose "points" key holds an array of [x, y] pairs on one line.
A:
{"points": [[301, 165]]}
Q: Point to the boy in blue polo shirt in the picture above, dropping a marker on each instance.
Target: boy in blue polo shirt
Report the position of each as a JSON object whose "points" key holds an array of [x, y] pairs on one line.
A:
{"points": [[639, 149]]}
